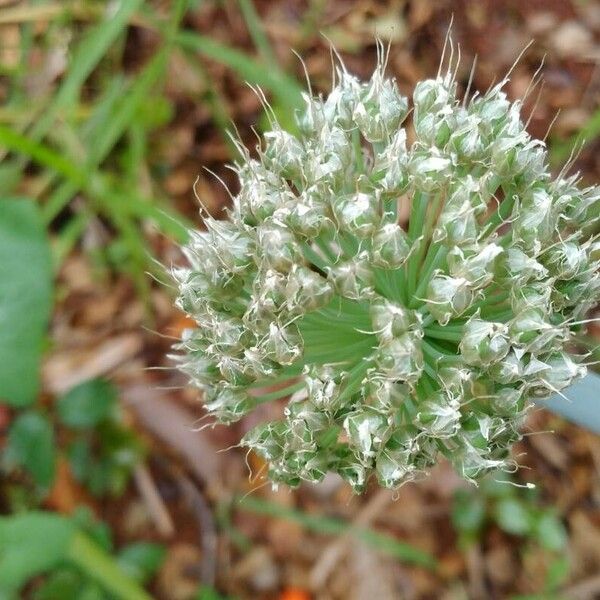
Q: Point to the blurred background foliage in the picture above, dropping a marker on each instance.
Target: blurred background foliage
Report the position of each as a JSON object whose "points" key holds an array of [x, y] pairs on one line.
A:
{"points": [[114, 120]]}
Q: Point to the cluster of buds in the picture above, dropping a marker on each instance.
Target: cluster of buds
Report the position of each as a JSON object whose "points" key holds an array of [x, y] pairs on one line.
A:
{"points": [[393, 345]]}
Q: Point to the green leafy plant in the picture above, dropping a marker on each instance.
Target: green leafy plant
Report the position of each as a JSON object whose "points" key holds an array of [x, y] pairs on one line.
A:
{"points": [[77, 565], [102, 452], [517, 512]]}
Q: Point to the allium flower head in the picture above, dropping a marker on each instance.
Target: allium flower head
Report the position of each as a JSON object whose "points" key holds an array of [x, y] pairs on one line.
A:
{"points": [[395, 345]]}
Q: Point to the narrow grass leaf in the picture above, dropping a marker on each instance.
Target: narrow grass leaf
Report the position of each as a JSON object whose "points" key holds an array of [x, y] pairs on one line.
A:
{"points": [[282, 86], [330, 526], [257, 32], [85, 58]]}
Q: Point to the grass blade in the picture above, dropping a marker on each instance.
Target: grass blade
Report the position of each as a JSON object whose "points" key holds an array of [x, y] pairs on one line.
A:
{"points": [[286, 89], [257, 32], [331, 526], [87, 55]]}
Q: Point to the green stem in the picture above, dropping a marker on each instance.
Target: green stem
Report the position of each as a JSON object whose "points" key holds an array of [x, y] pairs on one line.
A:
{"points": [[430, 351], [500, 316], [433, 261], [312, 256], [416, 235], [502, 213], [281, 393], [284, 375], [426, 247], [359, 160], [490, 300], [418, 210], [443, 333], [96, 563], [354, 377], [337, 353]]}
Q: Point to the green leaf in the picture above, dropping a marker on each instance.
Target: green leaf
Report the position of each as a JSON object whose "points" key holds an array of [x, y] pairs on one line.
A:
{"points": [[141, 560], [512, 516], [286, 89], [80, 458], [557, 574], [87, 404], [25, 299], [468, 512], [63, 583], [208, 593], [550, 532], [30, 544], [31, 446], [98, 531]]}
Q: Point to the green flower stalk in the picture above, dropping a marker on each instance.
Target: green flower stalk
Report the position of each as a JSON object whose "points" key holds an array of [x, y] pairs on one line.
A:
{"points": [[394, 346]]}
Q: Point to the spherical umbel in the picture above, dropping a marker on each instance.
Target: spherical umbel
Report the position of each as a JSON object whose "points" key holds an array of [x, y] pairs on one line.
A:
{"points": [[394, 345]]}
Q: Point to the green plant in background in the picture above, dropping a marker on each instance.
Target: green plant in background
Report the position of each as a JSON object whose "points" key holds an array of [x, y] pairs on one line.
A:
{"points": [[102, 149], [74, 554], [99, 153], [517, 512], [396, 346], [102, 452], [25, 299]]}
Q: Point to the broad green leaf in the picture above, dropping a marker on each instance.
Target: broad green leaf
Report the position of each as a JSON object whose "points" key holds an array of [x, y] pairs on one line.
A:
{"points": [[31, 543], [141, 560], [36, 542], [512, 516], [87, 404], [31, 446], [550, 532], [25, 299], [468, 512]]}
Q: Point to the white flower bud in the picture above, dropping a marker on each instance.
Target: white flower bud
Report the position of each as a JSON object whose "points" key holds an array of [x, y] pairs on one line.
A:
{"points": [[359, 214], [401, 358], [448, 297], [484, 343], [366, 430], [439, 416], [380, 108], [352, 279], [390, 247], [391, 320], [278, 247], [284, 154]]}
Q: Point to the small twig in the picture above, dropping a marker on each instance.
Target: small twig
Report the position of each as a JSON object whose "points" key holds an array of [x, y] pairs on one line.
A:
{"points": [[153, 501], [335, 551], [208, 530]]}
